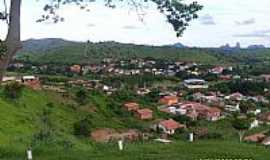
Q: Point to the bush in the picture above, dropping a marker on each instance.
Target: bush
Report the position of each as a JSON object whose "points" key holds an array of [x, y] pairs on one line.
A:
{"points": [[13, 90], [83, 127], [81, 97]]}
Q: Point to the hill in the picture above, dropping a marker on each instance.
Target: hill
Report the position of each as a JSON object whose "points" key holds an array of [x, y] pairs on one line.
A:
{"points": [[39, 45], [44, 120], [60, 51], [66, 52]]}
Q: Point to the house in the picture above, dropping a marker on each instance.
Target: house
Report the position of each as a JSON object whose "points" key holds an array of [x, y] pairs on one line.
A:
{"points": [[170, 126], [232, 107], [217, 70], [256, 138], [75, 68], [131, 106], [168, 100], [264, 118], [212, 114], [144, 114], [31, 81], [235, 96], [9, 79], [265, 77], [266, 141], [225, 77], [254, 124], [196, 110], [195, 84], [143, 91]]}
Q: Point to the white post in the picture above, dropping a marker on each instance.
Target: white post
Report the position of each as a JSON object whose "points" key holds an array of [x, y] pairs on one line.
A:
{"points": [[29, 154], [120, 145], [191, 137]]}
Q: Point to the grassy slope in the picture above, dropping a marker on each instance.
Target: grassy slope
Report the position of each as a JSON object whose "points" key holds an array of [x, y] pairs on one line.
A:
{"points": [[21, 120]]}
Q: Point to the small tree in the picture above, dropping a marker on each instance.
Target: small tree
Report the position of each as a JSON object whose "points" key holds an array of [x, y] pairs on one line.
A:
{"points": [[13, 90], [241, 125], [81, 97], [83, 127], [245, 106]]}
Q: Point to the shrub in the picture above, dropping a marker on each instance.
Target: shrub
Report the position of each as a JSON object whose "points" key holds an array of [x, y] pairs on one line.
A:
{"points": [[13, 90], [81, 97], [83, 127]]}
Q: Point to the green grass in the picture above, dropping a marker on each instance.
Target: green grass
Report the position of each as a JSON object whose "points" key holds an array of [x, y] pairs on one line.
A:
{"points": [[152, 151], [21, 121]]}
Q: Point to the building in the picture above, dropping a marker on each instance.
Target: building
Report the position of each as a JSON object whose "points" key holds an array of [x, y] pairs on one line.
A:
{"points": [[235, 96], [198, 110], [217, 70], [266, 141], [170, 126], [131, 106], [169, 100], [76, 69], [31, 81], [264, 118], [144, 114], [195, 84], [265, 77]]}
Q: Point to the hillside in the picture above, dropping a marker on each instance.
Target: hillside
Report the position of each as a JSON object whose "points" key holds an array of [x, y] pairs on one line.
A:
{"points": [[60, 51], [44, 120], [65, 52]]}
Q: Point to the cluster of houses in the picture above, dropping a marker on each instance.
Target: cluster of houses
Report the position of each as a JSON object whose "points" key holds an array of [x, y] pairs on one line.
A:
{"points": [[168, 126], [193, 110], [30, 81], [142, 114]]}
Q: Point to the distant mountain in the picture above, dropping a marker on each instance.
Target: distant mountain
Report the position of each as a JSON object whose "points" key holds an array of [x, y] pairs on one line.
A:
{"points": [[47, 51], [59, 51], [177, 45], [257, 46], [40, 45]]}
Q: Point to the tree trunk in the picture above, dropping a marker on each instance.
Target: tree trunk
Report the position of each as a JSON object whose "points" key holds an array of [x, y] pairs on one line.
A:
{"points": [[13, 39]]}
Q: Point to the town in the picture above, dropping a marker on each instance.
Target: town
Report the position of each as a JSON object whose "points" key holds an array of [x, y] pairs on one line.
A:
{"points": [[181, 95], [134, 80]]}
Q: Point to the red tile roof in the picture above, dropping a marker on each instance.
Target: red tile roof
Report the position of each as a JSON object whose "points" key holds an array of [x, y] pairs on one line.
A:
{"points": [[171, 124], [144, 111]]}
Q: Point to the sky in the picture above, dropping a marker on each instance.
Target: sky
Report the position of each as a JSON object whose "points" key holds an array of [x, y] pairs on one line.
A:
{"points": [[220, 22]]}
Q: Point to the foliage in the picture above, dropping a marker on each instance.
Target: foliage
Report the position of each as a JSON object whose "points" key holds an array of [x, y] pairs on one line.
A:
{"points": [[245, 106], [241, 125], [244, 87], [83, 127], [178, 14], [13, 90], [3, 48], [81, 97]]}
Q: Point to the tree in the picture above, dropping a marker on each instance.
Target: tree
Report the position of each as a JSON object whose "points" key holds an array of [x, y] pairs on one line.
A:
{"points": [[13, 90], [83, 127], [245, 106], [81, 97], [178, 14], [241, 125]]}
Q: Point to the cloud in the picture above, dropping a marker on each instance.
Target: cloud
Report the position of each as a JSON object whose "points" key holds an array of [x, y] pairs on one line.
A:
{"points": [[256, 34], [207, 20], [130, 27], [246, 22]]}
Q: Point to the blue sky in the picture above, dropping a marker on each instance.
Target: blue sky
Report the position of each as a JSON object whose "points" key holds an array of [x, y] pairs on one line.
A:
{"points": [[220, 22]]}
